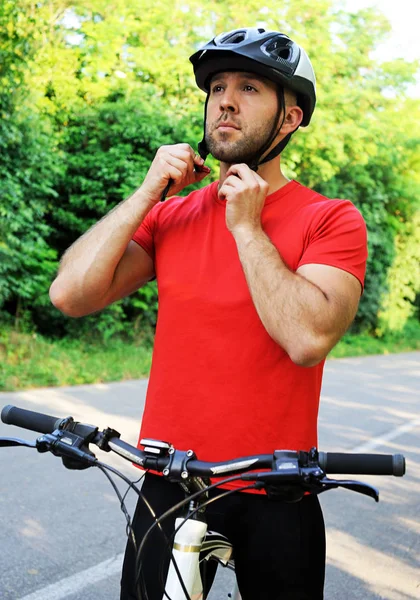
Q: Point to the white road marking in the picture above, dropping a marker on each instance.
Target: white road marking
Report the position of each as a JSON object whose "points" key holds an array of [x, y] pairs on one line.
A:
{"points": [[70, 585], [386, 437]]}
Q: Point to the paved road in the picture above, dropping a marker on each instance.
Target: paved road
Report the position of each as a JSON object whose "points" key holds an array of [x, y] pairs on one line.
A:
{"points": [[62, 532]]}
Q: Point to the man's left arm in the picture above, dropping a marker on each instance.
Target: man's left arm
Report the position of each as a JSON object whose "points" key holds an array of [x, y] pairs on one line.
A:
{"points": [[306, 312]]}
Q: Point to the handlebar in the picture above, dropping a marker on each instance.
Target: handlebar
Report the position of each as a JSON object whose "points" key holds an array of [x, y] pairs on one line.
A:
{"points": [[162, 457]]}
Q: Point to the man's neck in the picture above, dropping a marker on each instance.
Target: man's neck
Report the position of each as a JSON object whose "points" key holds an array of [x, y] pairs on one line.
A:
{"points": [[270, 172]]}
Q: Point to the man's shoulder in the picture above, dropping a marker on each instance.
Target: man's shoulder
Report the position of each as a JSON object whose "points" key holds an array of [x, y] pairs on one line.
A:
{"points": [[317, 201], [311, 195]]}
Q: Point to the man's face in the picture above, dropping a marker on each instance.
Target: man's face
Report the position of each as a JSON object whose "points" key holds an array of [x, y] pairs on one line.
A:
{"points": [[241, 111]]}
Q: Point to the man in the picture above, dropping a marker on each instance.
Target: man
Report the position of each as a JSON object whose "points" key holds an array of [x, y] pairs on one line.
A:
{"points": [[258, 278]]}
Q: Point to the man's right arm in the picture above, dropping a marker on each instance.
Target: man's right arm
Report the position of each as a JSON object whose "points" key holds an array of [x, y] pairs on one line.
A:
{"points": [[105, 265]]}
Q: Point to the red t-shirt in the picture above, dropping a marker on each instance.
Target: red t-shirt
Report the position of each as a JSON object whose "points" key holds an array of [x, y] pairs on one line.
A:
{"points": [[219, 384]]}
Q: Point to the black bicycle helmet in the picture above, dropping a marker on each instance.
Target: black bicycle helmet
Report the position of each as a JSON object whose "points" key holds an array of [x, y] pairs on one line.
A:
{"points": [[268, 53]]}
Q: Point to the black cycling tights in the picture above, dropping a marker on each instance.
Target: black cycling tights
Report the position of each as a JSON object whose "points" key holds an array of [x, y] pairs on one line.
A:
{"points": [[279, 547]]}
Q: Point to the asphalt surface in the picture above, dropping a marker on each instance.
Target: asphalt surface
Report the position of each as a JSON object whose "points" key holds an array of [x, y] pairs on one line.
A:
{"points": [[62, 532]]}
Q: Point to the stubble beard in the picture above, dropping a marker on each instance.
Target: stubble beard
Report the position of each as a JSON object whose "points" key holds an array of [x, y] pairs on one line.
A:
{"points": [[243, 150]]}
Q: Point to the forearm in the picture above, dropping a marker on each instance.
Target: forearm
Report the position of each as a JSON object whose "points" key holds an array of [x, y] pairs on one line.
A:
{"points": [[87, 268], [293, 310]]}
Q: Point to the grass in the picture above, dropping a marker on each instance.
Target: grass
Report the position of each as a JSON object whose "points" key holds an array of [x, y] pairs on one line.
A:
{"points": [[29, 360]]}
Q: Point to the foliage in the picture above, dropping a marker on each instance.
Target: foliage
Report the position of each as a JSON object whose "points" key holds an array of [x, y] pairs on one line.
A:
{"points": [[26, 175], [403, 278], [362, 344], [90, 90], [385, 186]]}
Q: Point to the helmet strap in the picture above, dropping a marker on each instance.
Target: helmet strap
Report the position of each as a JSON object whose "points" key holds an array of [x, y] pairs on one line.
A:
{"points": [[273, 133], [283, 143], [203, 151], [276, 150]]}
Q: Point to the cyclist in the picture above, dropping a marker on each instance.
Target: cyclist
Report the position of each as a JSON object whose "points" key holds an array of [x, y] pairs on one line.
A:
{"points": [[258, 278]]}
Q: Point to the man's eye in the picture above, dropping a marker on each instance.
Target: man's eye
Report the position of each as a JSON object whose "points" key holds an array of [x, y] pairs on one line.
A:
{"points": [[217, 88], [249, 88]]}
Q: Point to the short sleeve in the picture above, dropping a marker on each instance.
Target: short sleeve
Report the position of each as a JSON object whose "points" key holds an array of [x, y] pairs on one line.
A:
{"points": [[337, 237], [144, 234]]}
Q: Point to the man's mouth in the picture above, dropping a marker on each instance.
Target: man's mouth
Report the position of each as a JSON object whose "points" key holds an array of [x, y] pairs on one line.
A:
{"points": [[227, 125]]}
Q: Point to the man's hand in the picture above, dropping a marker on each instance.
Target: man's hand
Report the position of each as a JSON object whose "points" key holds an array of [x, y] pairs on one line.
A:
{"points": [[245, 193], [178, 163]]}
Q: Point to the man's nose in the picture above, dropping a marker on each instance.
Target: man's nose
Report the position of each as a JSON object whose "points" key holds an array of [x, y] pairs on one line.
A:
{"points": [[228, 102]]}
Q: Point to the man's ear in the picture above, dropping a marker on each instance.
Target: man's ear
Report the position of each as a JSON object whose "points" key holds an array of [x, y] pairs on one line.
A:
{"points": [[294, 117]]}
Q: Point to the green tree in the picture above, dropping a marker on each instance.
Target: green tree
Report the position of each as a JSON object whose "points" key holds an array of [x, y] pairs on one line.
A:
{"points": [[26, 167]]}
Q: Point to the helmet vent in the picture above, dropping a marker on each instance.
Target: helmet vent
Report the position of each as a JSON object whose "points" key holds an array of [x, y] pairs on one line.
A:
{"points": [[235, 37], [279, 50], [284, 52]]}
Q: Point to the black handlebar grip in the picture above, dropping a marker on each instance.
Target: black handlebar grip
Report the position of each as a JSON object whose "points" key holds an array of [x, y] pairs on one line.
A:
{"points": [[12, 415], [362, 464]]}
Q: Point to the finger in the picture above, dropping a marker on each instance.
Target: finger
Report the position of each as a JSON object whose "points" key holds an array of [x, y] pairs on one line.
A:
{"points": [[168, 156], [201, 174], [176, 169], [187, 150], [226, 190], [195, 163], [198, 161], [178, 162], [247, 175], [249, 178], [231, 184], [180, 154], [222, 191], [240, 170], [234, 182]]}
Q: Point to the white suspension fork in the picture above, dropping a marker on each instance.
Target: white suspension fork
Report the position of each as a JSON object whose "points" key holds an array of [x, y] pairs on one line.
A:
{"points": [[186, 552]]}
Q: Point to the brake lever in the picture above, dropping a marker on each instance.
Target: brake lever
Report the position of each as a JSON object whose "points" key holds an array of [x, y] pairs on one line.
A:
{"points": [[7, 442], [355, 486], [294, 484]]}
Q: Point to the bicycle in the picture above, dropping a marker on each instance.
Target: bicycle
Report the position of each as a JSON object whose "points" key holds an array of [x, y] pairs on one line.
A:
{"points": [[285, 474]]}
